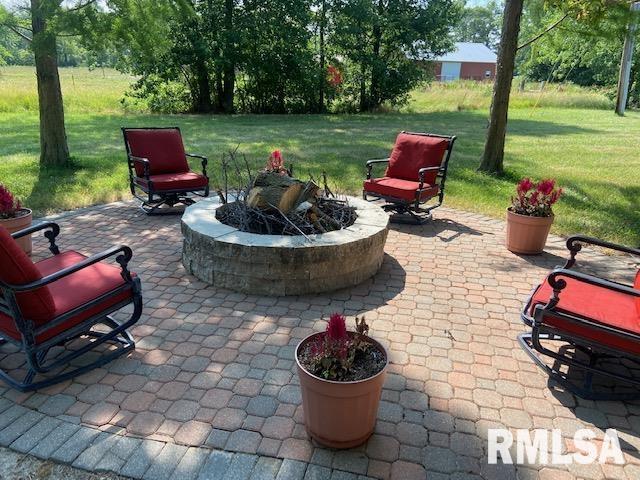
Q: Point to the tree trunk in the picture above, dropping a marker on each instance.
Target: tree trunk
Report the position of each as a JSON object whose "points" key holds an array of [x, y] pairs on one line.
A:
{"points": [[363, 87], [493, 157], [323, 72], [229, 83], [374, 97], [625, 64], [203, 100], [53, 138], [229, 55], [219, 88]]}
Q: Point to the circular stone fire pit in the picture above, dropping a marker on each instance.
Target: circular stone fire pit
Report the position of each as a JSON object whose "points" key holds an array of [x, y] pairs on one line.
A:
{"points": [[223, 256]]}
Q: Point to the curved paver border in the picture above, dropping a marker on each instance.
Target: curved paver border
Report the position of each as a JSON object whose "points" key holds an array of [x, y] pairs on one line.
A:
{"points": [[225, 257]]}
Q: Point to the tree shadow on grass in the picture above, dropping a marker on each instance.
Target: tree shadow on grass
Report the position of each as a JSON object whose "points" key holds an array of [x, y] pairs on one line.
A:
{"points": [[51, 182], [367, 131]]}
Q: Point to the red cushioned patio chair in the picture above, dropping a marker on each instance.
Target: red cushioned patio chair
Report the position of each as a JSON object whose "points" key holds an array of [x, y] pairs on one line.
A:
{"points": [[588, 324], [67, 301], [416, 173], [158, 168]]}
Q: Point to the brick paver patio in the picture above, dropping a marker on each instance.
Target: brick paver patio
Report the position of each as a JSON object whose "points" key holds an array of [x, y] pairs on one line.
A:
{"points": [[211, 386]]}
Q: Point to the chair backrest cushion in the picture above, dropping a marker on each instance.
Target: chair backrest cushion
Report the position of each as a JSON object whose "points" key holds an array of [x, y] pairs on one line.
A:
{"points": [[413, 152], [16, 268], [163, 148]]}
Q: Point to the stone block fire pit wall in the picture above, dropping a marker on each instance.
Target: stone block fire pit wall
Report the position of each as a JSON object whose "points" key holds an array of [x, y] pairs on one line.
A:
{"points": [[278, 264]]}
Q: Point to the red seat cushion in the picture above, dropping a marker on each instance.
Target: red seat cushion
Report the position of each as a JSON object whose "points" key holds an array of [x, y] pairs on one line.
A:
{"points": [[163, 148], [16, 268], [413, 152], [175, 181], [73, 291], [398, 188], [600, 305]]}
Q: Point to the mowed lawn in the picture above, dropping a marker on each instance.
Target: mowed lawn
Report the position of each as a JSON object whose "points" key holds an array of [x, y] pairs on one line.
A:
{"points": [[570, 136]]}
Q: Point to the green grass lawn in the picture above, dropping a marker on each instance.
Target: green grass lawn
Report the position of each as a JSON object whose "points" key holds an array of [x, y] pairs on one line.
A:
{"points": [[569, 135]]}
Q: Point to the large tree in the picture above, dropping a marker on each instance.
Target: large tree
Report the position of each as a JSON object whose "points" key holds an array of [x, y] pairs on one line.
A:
{"points": [[53, 136], [384, 39], [590, 13], [43, 22], [493, 157]]}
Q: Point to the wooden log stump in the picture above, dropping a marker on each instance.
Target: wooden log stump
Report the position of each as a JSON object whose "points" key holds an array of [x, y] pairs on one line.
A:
{"points": [[271, 190]]}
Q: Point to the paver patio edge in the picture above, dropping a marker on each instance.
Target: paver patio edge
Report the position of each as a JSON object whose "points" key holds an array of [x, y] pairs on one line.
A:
{"points": [[93, 450]]}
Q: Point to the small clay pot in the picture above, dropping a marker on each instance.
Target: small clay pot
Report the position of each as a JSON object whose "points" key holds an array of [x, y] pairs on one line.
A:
{"points": [[21, 221], [527, 235], [340, 414]]}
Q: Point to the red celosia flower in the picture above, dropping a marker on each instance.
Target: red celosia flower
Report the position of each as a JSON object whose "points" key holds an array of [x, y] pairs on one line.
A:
{"points": [[525, 185], [555, 196], [546, 186], [275, 164], [8, 204], [337, 328], [535, 199]]}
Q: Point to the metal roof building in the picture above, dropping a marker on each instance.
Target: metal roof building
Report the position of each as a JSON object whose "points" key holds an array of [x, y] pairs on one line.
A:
{"points": [[469, 61]]}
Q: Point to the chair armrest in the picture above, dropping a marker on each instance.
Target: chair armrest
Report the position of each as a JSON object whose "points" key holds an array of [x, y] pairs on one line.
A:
{"points": [[123, 259], [558, 283], [145, 164], [371, 163], [204, 160], [49, 235], [377, 160], [424, 170], [575, 242]]}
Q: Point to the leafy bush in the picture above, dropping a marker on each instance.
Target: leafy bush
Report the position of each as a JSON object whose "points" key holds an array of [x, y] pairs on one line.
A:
{"points": [[158, 95]]}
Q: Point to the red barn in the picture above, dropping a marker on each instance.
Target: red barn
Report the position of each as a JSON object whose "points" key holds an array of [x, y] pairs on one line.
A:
{"points": [[469, 61]]}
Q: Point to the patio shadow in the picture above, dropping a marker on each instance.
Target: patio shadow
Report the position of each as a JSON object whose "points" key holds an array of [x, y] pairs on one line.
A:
{"points": [[445, 229], [595, 413]]}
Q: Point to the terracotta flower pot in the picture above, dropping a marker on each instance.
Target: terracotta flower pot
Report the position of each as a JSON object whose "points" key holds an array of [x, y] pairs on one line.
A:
{"points": [[527, 235], [23, 220], [340, 414]]}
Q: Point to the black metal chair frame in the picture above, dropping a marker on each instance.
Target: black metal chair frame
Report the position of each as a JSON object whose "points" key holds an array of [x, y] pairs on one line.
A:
{"points": [[542, 331], [151, 199], [36, 353], [414, 208]]}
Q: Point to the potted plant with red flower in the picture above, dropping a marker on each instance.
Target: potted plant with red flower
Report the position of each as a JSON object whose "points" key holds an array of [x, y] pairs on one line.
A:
{"points": [[341, 376], [530, 216], [14, 217]]}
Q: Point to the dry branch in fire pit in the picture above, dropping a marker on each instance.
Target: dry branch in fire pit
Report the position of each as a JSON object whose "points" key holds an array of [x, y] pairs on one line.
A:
{"points": [[274, 203]]}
